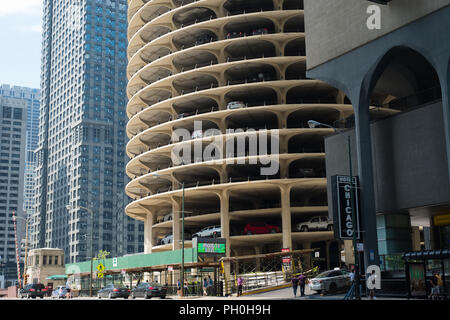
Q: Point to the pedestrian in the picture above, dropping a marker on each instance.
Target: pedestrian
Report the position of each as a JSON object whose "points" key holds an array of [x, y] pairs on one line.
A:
{"points": [[210, 286], [185, 287], [179, 287], [302, 284], [352, 275], [240, 282], [294, 285], [434, 286], [68, 287], [372, 279], [205, 286], [439, 284]]}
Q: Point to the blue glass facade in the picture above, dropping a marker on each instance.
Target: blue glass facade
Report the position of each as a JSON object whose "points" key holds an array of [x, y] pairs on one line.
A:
{"points": [[82, 132]]}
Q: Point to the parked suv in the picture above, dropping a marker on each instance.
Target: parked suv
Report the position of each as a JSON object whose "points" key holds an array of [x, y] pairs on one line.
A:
{"points": [[211, 231], [260, 228], [315, 224], [32, 291]]}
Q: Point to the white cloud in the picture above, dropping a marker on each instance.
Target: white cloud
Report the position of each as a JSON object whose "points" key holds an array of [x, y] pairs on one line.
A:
{"points": [[25, 7], [35, 28]]}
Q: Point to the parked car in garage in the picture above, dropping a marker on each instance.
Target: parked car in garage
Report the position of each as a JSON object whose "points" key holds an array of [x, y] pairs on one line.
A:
{"points": [[330, 281], [167, 239], [315, 224], [235, 105], [33, 290], [204, 39], [211, 231], [235, 34], [260, 228], [112, 291], [197, 134], [149, 290], [260, 31], [59, 292]]}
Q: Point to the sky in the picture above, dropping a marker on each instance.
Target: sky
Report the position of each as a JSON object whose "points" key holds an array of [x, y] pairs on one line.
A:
{"points": [[20, 42]]}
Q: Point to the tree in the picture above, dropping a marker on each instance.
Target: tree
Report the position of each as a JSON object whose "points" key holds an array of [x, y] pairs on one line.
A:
{"points": [[102, 254]]}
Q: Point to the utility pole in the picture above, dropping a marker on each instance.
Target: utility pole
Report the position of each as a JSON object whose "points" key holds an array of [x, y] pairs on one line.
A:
{"points": [[352, 195], [182, 240], [17, 251]]}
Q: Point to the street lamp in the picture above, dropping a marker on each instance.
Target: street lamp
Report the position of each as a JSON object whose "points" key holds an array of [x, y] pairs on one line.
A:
{"points": [[69, 207], [182, 230], [313, 124]]}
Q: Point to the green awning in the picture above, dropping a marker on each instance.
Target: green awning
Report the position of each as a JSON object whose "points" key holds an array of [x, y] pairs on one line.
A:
{"points": [[57, 277]]}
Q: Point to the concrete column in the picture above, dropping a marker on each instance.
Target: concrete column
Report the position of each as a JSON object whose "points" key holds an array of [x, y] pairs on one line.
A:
{"points": [[415, 232], [284, 168], [327, 253], [148, 232], [176, 223], [307, 259], [286, 216], [225, 219], [258, 250], [444, 75], [365, 171], [349, 252]]}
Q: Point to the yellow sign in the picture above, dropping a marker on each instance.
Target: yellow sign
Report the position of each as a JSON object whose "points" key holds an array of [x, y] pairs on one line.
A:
{"points": [[100, 267], [441, 220], [100, 275]]}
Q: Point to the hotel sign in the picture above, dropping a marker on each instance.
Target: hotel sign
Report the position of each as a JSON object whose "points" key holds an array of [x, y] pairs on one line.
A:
{"points": [[343, 207]]}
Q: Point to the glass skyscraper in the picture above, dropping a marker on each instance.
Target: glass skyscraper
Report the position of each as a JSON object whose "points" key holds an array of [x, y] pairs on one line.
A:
{"points": [[81, 151]]}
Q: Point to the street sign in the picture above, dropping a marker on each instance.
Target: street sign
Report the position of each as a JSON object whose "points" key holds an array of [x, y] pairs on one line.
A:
{"points": [[360, 247], [101, 267], [100, 275]]}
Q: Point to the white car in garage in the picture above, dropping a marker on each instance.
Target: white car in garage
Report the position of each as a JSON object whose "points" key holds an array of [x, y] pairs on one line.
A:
{"points": [[315, 224]]}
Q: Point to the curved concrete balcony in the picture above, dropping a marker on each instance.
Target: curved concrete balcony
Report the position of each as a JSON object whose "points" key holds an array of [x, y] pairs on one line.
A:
{"points": [[161, 40]]}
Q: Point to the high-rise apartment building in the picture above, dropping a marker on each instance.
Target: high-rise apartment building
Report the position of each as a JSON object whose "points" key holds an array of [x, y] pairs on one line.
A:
{"points": [[13, 117], [32, 98], [81, 152]]}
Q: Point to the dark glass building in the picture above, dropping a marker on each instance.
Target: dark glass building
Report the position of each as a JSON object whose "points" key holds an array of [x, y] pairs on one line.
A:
{"points": [[81, 152]]}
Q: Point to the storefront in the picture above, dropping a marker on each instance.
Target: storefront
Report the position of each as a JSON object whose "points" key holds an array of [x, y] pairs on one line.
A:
{"points": [[441, 230], [419, 268]]}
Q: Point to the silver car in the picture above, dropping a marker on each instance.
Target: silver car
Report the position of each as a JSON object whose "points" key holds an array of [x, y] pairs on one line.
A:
{"points": [[167, 239], [212, 231], [330, 281], [59, 292]]}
